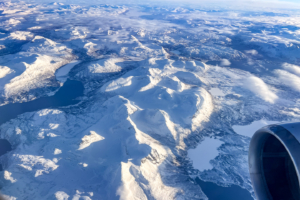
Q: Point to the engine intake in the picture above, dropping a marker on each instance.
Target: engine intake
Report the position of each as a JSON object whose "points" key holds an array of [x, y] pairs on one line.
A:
{"points": [[274, 162]]}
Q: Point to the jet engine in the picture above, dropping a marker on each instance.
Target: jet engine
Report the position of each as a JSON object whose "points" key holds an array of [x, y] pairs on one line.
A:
{"points": [[274, 162]]}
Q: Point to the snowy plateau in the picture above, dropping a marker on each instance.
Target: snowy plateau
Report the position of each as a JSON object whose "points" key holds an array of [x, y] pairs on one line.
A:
{"points": [[159, 81]]}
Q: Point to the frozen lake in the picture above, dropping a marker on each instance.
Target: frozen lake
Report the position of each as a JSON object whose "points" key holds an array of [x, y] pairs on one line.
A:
{"points": [[201, 156], [206, 151], [216, 92], [250, 129], [62, 73]]}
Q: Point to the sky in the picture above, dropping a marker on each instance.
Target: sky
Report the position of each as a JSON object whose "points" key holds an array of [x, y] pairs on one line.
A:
{"points": [[284, 3], [295, 1], [232, 5]]}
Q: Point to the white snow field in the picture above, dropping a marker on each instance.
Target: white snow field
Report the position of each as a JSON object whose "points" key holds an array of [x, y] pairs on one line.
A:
{"points": [[32, 68], [170, 94]]}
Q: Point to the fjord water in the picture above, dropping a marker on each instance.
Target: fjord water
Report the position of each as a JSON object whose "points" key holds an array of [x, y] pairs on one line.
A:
{"points": [[64, 97], [215, 192], [4, 148]]}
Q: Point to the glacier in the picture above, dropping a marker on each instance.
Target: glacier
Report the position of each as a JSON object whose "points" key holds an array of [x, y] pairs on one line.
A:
{"points": [[160, 82]]}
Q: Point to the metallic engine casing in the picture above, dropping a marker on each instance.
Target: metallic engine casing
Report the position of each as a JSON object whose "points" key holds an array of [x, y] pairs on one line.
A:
{"points": [[289, 135]]}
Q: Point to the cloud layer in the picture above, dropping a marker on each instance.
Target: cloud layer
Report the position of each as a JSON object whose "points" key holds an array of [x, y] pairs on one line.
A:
{"points": [[294, 69], [260, 88], [289, 79]]}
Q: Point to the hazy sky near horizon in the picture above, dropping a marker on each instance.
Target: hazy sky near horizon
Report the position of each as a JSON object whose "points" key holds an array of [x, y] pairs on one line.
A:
{"points": [[259, 5]]}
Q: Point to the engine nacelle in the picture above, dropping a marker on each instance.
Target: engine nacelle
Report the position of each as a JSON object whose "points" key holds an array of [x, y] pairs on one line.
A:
{"points": [[274, 162]]}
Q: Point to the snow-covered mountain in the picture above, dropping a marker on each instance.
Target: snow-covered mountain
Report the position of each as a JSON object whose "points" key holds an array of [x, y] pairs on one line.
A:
{"points": [[159, 82]]}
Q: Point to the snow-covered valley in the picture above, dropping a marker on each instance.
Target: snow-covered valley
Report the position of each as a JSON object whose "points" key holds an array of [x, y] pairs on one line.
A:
{"points": [[162, 86]]}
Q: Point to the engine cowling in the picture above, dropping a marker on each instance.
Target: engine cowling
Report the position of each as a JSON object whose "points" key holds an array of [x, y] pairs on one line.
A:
{"points": [[274, 162]]}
